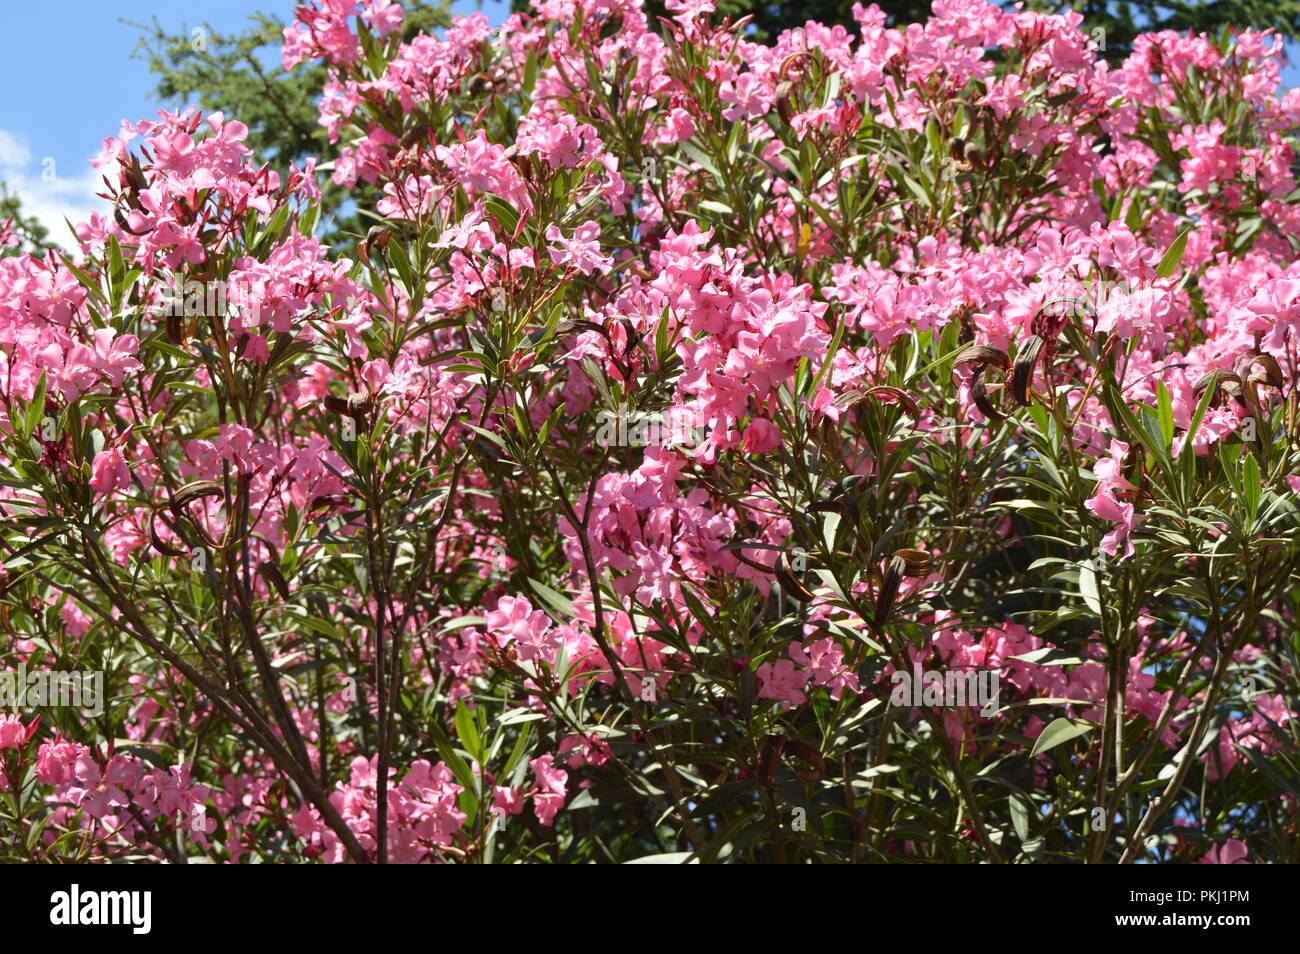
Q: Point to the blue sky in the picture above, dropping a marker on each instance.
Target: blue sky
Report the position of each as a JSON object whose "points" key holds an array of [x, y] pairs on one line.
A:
{"points": [[67, 68], [69, 78]]}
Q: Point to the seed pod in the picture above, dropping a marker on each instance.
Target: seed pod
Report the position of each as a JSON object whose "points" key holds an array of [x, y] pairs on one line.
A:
{"points": [[851, 399], [581, 324], [375, 243], [1022, 372], [1049, 320], [191, 492], [844, 506], [808, 753], [767, 757], [1219, 380], [966, 327], [965, 154], [1271, 375], [359, 405], [983, 357], [748, 562], [889, 588], [120, 219], [898, 395], [174, 326], [790, 583], [420, 134], [981, 397], [634, 337], [271, 573], [356, 406], [326, 502], [158, 544], [916, 562], [194, 491]]}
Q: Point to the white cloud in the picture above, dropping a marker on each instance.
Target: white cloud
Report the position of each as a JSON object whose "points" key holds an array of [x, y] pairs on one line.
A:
{"points": [[12, 151], [49, 192]]}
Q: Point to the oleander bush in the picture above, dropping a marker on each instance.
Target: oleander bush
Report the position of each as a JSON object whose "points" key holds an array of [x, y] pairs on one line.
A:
{"points": [[878, 446]]}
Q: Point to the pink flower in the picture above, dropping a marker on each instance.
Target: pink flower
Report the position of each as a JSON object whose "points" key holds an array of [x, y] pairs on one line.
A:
{"points": [[55, 760], [562, 141], [1105, 505], [99, 790], [115, 355], [75, 621], [748, 96], [1231, 852], [761, 436], [13, 734], [383, 17], [506, 800], [548, 796], [783, 682], [582, 251], [109, 471], [515, 621]]}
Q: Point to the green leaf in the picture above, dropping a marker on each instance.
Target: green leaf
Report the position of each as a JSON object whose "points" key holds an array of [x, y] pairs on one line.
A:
{"points": [[503, 212], [1062, 730], [1049, 656], [1019, 816], [1169, 263], [396, 253], [667, 858], [1165, 412], [35, 410], [468, 733], [518, 752], [701, 157], [1250, 486], [561, 604], [464, 777], [530, 72], [1088, 587]]}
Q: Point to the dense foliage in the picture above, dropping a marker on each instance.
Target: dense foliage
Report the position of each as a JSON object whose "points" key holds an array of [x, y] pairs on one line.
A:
{"points": [[692, 392]]}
